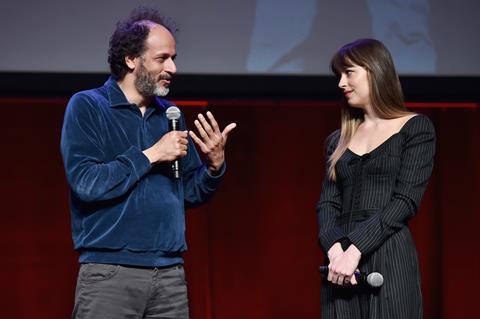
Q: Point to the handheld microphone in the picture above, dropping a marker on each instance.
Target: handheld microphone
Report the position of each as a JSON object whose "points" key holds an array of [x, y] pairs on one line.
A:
{"points": [[373, 279], [173, 116]]}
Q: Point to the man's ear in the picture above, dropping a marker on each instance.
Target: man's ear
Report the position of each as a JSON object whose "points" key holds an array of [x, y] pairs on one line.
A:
{"points": [[131, 62]]}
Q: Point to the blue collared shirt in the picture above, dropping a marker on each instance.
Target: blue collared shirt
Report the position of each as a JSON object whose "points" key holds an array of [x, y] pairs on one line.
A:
{"points": [[123, 209]]}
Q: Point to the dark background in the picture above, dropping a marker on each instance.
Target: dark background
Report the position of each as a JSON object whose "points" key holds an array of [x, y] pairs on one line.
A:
{"points": [[253, 249]]}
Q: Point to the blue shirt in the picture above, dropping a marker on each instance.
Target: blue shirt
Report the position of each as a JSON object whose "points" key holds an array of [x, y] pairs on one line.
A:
{"points": [[125, 210]]}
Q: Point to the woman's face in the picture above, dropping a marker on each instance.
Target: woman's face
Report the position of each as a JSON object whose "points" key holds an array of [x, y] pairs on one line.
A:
{"points": [[355, 86]]}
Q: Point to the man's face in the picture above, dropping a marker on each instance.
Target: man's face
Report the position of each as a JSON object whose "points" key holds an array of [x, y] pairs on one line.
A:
{"points": [[156, 67]]}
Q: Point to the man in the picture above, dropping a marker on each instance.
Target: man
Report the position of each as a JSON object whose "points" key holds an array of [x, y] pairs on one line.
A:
{"points": [[127, 208]]}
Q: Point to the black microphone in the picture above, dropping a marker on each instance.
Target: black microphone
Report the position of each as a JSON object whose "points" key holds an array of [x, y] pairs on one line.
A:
{"points": [[373, 279], [173, 116]]}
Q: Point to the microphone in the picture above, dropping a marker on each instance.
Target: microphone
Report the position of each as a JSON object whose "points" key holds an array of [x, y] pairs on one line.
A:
{"points": [[373, 279], [173, 116]]}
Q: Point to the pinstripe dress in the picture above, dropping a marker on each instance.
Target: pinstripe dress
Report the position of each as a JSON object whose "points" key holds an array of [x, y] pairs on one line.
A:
{"points": [[369, 206]]}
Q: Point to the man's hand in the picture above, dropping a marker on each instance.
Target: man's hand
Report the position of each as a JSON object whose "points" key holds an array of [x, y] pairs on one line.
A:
{"points": [[170, 147], [211, 141]]}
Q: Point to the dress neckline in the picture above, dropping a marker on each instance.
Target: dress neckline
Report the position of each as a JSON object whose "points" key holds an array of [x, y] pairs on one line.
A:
{"points": [[384, 142]]}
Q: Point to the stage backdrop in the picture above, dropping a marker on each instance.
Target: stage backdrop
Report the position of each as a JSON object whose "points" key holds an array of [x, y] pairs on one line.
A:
{"points": [[253, 248]]}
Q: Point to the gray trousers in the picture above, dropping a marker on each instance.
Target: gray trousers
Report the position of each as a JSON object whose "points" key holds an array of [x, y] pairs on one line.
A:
{"points": [[117, 292]]}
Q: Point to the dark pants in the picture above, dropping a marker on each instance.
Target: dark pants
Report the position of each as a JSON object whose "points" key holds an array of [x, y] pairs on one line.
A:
{"points": [[114, 291]]}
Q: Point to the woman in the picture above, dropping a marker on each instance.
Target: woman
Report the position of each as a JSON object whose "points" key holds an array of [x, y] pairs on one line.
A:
{"points": [[378, 165]]}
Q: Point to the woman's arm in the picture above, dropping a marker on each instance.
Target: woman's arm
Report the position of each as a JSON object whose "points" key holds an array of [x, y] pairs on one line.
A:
{"points": [[411, 182], [329, 206]]}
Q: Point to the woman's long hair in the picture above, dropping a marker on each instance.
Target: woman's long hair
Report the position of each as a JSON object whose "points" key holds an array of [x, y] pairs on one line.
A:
{"points": [[385, 90]]}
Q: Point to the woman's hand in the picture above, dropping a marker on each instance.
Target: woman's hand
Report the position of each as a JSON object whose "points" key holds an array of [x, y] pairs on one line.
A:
{"points": [[343, 266], [351, 280], [334, 251]]}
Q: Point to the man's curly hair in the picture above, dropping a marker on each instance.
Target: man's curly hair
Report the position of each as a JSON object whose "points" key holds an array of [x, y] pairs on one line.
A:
{"points": [[130, 35]]}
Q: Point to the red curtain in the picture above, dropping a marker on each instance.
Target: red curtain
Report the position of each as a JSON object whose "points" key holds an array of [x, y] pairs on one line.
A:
{"points": [[253, 249]]}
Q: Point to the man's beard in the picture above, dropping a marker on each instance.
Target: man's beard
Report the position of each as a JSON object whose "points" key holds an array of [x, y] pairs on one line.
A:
{"points": [[147, 85]]}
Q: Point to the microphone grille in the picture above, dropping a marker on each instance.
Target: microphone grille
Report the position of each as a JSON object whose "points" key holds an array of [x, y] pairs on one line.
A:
{"points": [[173, 113], [375, 279]]}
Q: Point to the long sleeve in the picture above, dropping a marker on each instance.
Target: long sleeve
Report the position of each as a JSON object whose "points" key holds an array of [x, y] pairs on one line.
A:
{"points": [[198, 184], [411, 181], [90, 175], [330, 204]]}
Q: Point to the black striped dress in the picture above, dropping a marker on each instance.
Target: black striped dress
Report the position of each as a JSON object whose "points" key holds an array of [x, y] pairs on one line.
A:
{"points": [[369, 206]]}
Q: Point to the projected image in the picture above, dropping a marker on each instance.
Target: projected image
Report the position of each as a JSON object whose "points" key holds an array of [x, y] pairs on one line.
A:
{"points": [[403, 27], [292, 38], [256, 37]]}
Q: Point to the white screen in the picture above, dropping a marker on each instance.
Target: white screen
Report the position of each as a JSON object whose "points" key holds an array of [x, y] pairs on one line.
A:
{"points": [[436, 37]]}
